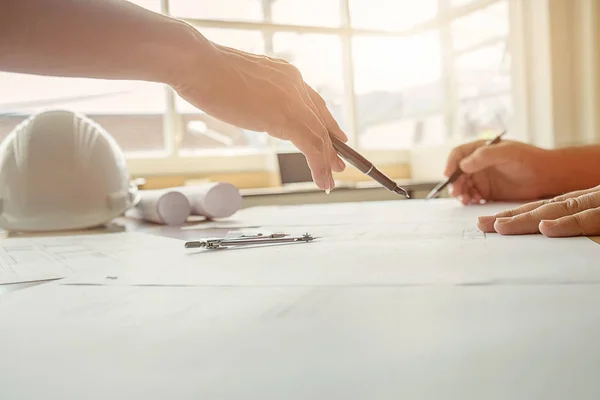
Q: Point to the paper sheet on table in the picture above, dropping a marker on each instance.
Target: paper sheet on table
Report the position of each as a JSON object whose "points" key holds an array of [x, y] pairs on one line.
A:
{"points": [[371, 213], [427, 343], [343, 214], [221, 224], [54, 257], [385, 244]]}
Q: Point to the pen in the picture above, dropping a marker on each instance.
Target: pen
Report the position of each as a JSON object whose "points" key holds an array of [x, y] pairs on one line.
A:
{"points": [[456, 174], [365, 166]]}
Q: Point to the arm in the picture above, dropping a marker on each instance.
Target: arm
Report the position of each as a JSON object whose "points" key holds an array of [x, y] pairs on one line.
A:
{"points": [[567, 180], [107, 39], [575, 168], [114, 39], [515, 171]]}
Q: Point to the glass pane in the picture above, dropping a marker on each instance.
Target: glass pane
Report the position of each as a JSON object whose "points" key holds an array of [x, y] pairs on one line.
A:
{"points": [[460, 3], [391, 15], [227, 10], [152, 5], [479, 26], [201, 131], [132, 112], [398, 89], [306, 12], [485, 117], [324, 76], [484, 71]]}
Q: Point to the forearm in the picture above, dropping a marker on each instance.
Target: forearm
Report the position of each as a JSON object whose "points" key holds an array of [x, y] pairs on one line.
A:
{"points": [[107, 39], [576, 168]]}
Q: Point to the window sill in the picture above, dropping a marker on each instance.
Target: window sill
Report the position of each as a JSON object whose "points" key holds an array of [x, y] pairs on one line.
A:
{"points": [[262, 180], [294, 194]]}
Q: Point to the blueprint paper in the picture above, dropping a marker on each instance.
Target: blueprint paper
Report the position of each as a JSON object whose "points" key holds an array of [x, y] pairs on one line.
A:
{"points": [[55, 257], [390, 244]]}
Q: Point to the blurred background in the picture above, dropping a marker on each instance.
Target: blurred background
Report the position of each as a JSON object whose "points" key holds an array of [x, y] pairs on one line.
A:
{"points": [[407, 80]]}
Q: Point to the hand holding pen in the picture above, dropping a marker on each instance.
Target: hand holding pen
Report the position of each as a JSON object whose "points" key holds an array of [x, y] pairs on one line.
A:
{"points": [[458, 172], [504, 171]]}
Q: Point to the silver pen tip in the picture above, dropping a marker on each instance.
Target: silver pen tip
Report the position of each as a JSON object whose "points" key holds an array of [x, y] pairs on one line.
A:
{"points": [[401, 191]]}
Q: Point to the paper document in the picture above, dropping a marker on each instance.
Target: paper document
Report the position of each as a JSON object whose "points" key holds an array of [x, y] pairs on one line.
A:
{"points": [[386, 244], [369, 213], [45, 258]]}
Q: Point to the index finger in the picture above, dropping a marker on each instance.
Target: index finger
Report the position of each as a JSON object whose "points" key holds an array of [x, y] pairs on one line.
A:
{"points": [[460, 152], [486, 222], [314, 144], [320, 107], [330, 122]]}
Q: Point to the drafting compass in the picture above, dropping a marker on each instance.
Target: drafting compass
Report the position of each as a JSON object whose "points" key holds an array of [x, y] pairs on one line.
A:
{"points": [[249, 240]]}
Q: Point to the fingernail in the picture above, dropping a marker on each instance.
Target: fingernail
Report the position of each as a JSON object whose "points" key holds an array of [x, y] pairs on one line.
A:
{"points": [[549, 223], [503, 220], [486, 219], [327, 191]]}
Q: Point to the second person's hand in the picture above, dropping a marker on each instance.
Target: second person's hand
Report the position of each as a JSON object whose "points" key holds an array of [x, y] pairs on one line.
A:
{"points": [[263, 94], [507, 171], [572, 214]]}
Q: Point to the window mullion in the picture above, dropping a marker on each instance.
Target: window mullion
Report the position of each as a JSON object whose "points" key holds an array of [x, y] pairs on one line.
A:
{"points": [[448, 75], [173, 133], [267, 34], [172, 124], [348, 75]]}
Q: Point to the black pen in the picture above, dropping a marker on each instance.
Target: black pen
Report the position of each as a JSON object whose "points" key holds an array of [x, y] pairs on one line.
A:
{"points": [[456, 174], [365, 166]]}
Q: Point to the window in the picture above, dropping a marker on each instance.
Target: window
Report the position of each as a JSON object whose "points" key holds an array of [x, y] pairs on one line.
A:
{"points": [[395, 74], [482, 69]]}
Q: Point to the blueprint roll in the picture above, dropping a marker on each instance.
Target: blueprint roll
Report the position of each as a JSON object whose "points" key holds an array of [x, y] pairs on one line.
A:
{"points": [[213, 200], [166, 207]]}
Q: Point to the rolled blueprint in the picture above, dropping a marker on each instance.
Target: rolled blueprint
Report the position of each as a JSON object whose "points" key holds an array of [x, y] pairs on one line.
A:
{"points": [[213, 200], [162, 206]]}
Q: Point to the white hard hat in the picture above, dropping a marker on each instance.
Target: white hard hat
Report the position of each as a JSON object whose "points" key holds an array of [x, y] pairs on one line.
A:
{"points": [[59, 170]]}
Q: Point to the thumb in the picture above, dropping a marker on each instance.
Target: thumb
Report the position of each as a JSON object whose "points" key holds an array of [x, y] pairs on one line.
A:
{"points": [[482, 158]]}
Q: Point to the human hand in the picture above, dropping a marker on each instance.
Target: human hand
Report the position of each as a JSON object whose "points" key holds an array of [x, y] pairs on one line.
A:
{"points": [[573, 214], [264, 94], [507, 171]]}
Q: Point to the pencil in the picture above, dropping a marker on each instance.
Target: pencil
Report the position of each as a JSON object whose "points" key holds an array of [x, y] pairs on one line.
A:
{"points": [[457, 174]]}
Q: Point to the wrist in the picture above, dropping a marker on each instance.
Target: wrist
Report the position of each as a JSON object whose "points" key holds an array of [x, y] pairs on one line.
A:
{"points": [[573, 168], [557, 175], [182, 51]]}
